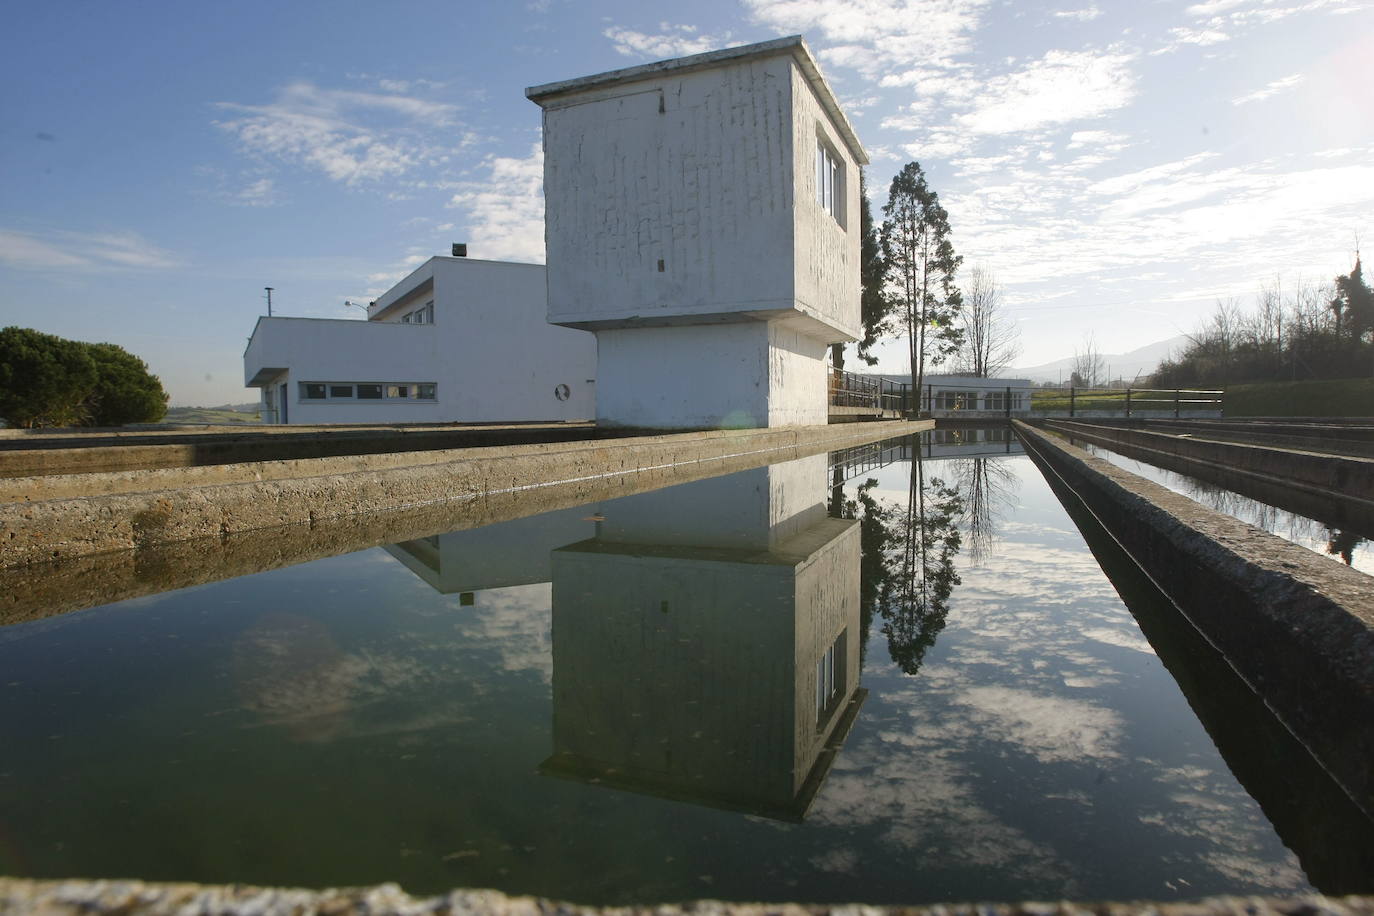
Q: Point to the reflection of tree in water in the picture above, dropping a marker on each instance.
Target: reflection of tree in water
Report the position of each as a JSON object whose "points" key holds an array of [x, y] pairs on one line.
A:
{"points": [[907, 568], [988, 486], [1342, 544]]}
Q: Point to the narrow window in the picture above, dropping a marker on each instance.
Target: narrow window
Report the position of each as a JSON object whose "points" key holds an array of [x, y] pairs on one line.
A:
{"points": [[425, 392], [341, 391], [312, 390], [829, 182], [369, 392], [398, 391], [830, 675]]}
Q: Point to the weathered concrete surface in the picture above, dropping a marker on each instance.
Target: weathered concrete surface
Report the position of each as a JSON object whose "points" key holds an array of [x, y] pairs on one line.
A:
{"points": [[163, 507], [1297, 627], [140, 898], [1337, 436], [45, 452], [1353, 477], [1330, 507]]}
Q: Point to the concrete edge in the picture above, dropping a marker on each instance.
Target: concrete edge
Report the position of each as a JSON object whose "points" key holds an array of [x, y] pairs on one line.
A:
{"points": [[1297, 627], [140, 898], [59, 529], [1350, 475]]}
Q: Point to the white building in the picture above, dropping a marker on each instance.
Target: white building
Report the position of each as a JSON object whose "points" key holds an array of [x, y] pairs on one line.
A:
{"points": [[971, 396], [458, 340], [702, 219]]}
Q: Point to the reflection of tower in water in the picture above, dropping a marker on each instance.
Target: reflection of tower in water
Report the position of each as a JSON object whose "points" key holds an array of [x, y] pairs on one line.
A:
{"points": [[706, 642]]}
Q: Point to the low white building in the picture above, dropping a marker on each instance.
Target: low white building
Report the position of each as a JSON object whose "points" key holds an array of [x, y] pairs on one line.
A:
{"points": [[967, 395], [702, 219], [458, 340]]}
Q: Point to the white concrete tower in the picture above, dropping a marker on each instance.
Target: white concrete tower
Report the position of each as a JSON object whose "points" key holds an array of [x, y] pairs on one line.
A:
{"points": [[702, 219]]}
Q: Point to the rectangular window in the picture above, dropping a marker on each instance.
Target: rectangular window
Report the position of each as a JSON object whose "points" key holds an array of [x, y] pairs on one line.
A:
{"points": [[312, 390], [830, 676], [398, 391], [341, 391], [829, 182], [425, 392], [370, 392]]}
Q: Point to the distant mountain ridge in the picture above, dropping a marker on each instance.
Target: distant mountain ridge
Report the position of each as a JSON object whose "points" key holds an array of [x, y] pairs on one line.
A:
{"points": [[1140, 361]]}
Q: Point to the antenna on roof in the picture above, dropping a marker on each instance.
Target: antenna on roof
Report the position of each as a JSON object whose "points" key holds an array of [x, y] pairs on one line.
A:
{"points": [[269, 300]]}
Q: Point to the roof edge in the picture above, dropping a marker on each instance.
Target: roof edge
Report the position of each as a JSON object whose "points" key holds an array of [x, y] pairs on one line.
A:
{"points": [[795, 45]]}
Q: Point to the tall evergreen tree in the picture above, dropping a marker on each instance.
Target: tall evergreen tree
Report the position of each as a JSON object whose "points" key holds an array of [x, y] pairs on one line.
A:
{"points": [[920, 264], [875, 306]]}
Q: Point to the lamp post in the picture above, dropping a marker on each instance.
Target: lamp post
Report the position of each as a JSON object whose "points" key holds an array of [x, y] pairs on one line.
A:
{"points": [[269, 300]]}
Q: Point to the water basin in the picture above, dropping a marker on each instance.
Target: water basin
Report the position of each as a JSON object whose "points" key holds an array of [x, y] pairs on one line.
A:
{"points": [[896, 674]]}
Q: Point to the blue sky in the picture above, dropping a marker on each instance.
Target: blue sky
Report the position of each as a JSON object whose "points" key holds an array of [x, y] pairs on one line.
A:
{"points": [[1118, 166]]}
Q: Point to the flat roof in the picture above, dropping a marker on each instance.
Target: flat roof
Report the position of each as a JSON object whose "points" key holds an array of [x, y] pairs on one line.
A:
{"points": [[794, 45]]}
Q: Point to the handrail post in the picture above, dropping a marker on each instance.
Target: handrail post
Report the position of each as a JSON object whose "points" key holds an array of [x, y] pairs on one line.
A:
{"points": [[1176, 391], [1128, 403], [1007, 403], [1071, 400]]}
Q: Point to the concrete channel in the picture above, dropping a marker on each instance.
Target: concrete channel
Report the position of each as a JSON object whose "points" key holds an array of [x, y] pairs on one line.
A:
{"points": [[1335, 489], [74, 541], [1296, 627]]}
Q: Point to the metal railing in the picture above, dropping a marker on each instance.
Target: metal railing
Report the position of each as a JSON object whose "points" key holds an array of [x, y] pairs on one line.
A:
{"points": [[1074, 400], [849, 389]]}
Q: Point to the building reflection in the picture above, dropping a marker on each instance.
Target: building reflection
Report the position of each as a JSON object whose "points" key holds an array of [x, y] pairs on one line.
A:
{"points": [[706, 642], [494, 556]]}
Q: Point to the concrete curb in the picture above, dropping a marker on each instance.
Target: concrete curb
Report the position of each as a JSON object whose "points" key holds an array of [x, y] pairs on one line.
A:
{"points": [[160, 507], [139, 898], [1351, 476], [1297, 627]]}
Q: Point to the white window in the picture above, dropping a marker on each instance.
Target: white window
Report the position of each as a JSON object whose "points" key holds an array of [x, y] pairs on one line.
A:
{"points": [[829, 182]]}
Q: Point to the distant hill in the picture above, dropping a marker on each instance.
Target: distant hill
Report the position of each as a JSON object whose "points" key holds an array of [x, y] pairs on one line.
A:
{"points": [[1140, 361]]}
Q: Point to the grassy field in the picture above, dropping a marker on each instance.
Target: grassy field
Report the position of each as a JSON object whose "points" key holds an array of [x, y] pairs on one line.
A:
{"points": [[176, 415], [1327, 398]]}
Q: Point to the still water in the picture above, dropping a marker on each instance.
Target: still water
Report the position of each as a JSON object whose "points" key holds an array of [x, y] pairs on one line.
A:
{"points": [[1345, 544], [895, 674]]}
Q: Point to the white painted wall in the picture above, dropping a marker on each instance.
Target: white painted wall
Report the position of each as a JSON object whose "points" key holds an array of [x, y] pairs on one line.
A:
{"points": [[826, 251], [682, 194], [705, 185], [490, 350]]}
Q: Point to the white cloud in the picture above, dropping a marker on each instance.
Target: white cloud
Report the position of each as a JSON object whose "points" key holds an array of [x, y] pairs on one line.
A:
{"points": [[261, 193], [878, 37], [350, 136], [1062, 86], [1271, 89], [670, 41], [1086, 14], [505, 211], [81, 250]]}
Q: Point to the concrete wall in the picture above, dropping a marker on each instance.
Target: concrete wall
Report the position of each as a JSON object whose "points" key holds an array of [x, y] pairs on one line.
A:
{"points": [[693, 169], [798, 383], [826, 251], [490, 351], [735, 375]]}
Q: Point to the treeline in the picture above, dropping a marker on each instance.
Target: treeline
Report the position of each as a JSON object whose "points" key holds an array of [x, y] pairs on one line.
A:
{"points": [[1309, 331], [48, 381]]}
